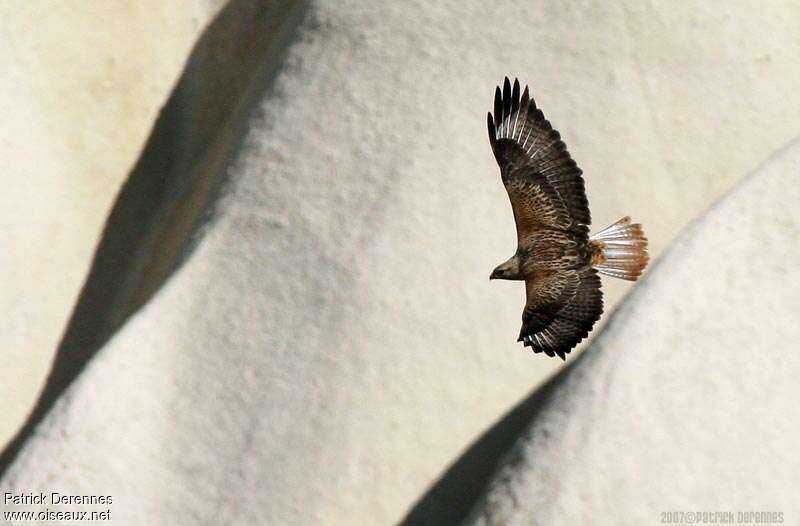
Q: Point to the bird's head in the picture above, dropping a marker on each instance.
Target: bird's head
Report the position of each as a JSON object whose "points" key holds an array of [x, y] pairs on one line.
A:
{"points": [[507, 270]]}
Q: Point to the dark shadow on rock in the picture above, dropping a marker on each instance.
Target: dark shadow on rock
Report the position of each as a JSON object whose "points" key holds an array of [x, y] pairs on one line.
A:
{"points": [[451, 498], [171, 191]]}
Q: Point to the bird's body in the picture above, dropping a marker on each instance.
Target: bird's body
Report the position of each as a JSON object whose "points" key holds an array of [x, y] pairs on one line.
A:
{"points": [[555, 256]]}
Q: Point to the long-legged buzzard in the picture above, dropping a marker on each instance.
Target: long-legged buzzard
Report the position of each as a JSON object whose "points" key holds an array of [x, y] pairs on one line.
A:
{"points": [[556, 257]]}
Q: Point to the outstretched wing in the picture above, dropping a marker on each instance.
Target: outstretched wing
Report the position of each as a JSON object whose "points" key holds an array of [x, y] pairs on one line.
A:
{"points": [[561, 308], [543, 182]]}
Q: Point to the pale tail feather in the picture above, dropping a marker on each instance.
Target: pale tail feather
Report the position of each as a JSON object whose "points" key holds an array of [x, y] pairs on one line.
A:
{"points": [[620, 250]]}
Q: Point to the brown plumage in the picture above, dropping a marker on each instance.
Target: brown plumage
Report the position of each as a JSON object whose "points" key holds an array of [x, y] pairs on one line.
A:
{"points": [[555, 256]]}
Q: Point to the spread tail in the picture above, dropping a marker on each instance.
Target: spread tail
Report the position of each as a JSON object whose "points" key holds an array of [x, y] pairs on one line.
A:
{"points": [[620, 250]]}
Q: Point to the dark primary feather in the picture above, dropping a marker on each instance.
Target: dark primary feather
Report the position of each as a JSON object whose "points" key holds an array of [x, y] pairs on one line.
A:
{"points": [[498, 106], [506, 99]]}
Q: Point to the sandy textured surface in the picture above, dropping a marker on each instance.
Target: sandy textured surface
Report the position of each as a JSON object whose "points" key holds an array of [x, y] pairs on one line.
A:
{"points": [[81, 85], [310, 233], [689, 400]]}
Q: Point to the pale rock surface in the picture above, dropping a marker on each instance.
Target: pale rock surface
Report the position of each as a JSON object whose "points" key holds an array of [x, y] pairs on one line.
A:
{"points": [[330, 341], [689, 399], [81, 84]]}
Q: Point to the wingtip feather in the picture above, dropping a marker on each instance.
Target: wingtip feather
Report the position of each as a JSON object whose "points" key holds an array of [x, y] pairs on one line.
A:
{"points": [[515, 96], [506, 99]]}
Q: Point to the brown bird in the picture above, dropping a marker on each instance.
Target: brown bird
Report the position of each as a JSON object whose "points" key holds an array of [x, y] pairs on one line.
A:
{"points": [[555, 256]]}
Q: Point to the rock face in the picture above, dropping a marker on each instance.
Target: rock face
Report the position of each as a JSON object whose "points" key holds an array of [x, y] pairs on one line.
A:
{"points": [[77, 105], [288, 319], [689, 400]]}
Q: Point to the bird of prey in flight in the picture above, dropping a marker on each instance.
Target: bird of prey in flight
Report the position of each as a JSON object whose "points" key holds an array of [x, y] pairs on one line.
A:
{"points": [[556, 257]]}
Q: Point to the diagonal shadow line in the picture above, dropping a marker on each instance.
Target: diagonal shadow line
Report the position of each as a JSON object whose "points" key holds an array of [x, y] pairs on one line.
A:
{"points": [[452, 496], [171, 191]]}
